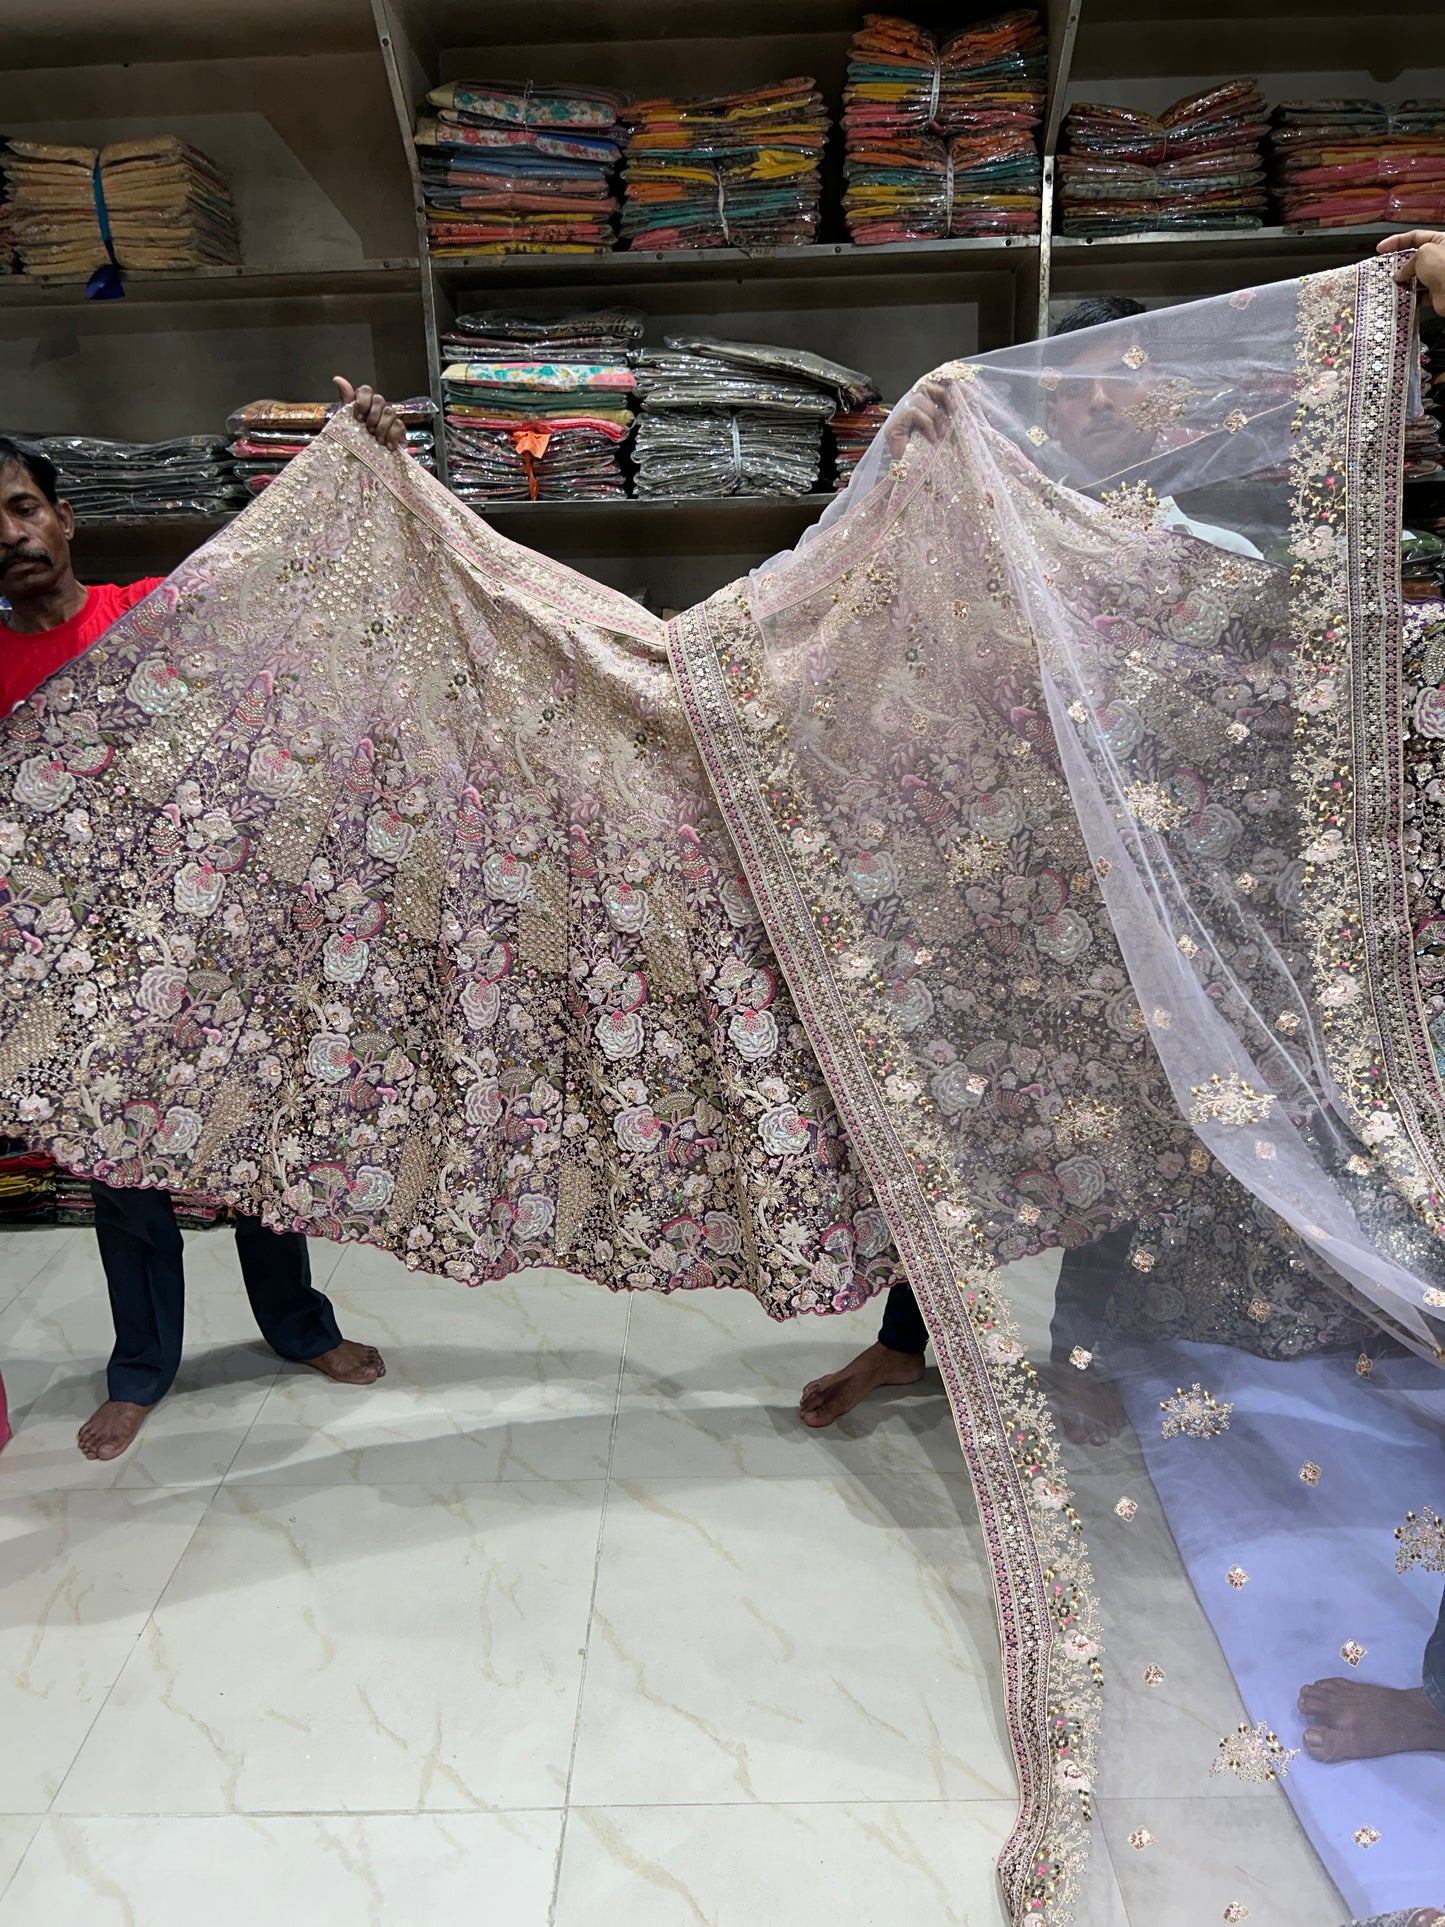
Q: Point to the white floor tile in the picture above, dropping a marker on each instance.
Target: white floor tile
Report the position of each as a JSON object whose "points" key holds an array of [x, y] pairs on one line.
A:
{"points": [[338, 1648], [17, 1830], [507, 1382], [790, 1639], [383, 1870], [712, 1386], [929, 1865], [82, 1571]]}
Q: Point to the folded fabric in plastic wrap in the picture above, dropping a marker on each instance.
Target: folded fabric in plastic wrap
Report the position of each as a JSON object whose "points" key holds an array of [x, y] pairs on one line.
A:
{"points": [[27, 1187], [1349, 163], [268, 434], [163, 206], [9, 258], [1197, 165], [538, 407], [735, 417], [941, 140], [511, 168], [852, 431], [106, 481], [734, 170]]}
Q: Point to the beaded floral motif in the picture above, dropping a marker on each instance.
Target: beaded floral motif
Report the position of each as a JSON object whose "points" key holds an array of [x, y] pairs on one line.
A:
{"points": [[1194, 1414], [1253, 1753]]}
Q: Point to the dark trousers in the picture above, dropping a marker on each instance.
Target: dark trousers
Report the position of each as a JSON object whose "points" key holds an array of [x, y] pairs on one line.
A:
{"points": [[141, 1250], [1434, 1667], [1086, 1278]]}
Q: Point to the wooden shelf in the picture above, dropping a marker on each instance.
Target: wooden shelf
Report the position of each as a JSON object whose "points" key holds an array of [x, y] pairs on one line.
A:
{"points": [[221, 284]]}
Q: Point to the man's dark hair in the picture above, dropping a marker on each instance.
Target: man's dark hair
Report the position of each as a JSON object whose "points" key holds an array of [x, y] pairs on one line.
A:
{"points": [[36, 463], [1098, 309]]}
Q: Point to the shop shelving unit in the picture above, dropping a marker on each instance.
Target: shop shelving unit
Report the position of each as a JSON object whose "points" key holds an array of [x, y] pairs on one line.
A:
{"points": [[311, 104]]}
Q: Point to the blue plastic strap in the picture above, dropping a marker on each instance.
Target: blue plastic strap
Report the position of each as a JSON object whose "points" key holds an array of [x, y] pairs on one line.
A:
{"points": [[108, 281]]}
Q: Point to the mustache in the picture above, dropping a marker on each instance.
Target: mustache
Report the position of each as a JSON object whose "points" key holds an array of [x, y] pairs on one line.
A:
{"points": [[23, 555]]}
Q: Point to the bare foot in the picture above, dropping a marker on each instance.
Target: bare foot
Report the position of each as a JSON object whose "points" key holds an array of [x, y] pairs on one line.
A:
{"points": [[829, 1397], [349, 1363], [110, 1429], [1089, 1408], [1352, 1720]]}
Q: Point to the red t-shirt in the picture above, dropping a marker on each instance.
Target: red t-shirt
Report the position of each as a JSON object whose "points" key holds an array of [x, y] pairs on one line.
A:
{"points": [[27, 661]]}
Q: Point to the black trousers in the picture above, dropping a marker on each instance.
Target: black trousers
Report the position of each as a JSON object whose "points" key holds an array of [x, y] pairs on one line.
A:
{"points": [[1086, 1279], [141, 1250]]}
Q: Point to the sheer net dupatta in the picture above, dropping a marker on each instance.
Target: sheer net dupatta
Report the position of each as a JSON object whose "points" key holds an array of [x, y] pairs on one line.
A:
{"points": [[1059, 759]]}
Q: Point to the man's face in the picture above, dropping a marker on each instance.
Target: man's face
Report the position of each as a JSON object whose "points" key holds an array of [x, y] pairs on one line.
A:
{"points": [[34, 538], [1089, 413]]}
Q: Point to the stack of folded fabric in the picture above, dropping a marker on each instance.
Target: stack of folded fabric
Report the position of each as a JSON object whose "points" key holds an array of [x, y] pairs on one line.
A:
{"points": [[738, 170], [853, 430], [1197, 165], [538, 407], [1422, 449], [192, 476], [168, 207], [519, 169], [27, 1184], [736, 417], [1349, 163], [942, 140], [268, 434], [9, 258]]}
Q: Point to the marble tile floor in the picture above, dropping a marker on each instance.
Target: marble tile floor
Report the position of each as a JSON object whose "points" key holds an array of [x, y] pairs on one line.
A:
{"points": [[568, 1623]]}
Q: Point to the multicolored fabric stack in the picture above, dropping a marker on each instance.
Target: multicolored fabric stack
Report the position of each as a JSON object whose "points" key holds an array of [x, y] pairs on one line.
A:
{"points": [[9, 258], [1197, 165], [27, 1184], [268, 434], [852, 431], [735, 170], [736, 417], [128, 482], [941, 140], [538, 407], [1347, 163], [166, 206], [519, 169]]}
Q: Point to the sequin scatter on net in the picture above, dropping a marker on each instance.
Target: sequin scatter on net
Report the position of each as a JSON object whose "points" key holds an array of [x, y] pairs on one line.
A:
{"points": [[1352, 1652], [1153, 1675], [1081, 1359], [1253, 1753], [1365, 1365], [1259, 1310], [1366, 1836], [1236, 1911], [1309, 1472], [1126, 1508], [1421, 1542], [1237, 1577], [1229, 1100], [1194, 1414], [1140, 1838]]}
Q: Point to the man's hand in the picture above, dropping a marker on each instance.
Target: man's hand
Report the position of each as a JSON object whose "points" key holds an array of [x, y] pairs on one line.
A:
{"points": [[925, 411], [1428, 266], [374, 412]]}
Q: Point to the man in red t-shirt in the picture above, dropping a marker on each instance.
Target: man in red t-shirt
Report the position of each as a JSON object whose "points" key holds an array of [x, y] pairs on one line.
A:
{"points": [[51, 619]]}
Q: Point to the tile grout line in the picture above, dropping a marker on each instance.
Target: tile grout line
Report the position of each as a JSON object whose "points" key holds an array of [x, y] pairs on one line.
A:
{"points": [[591, 1608]]}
